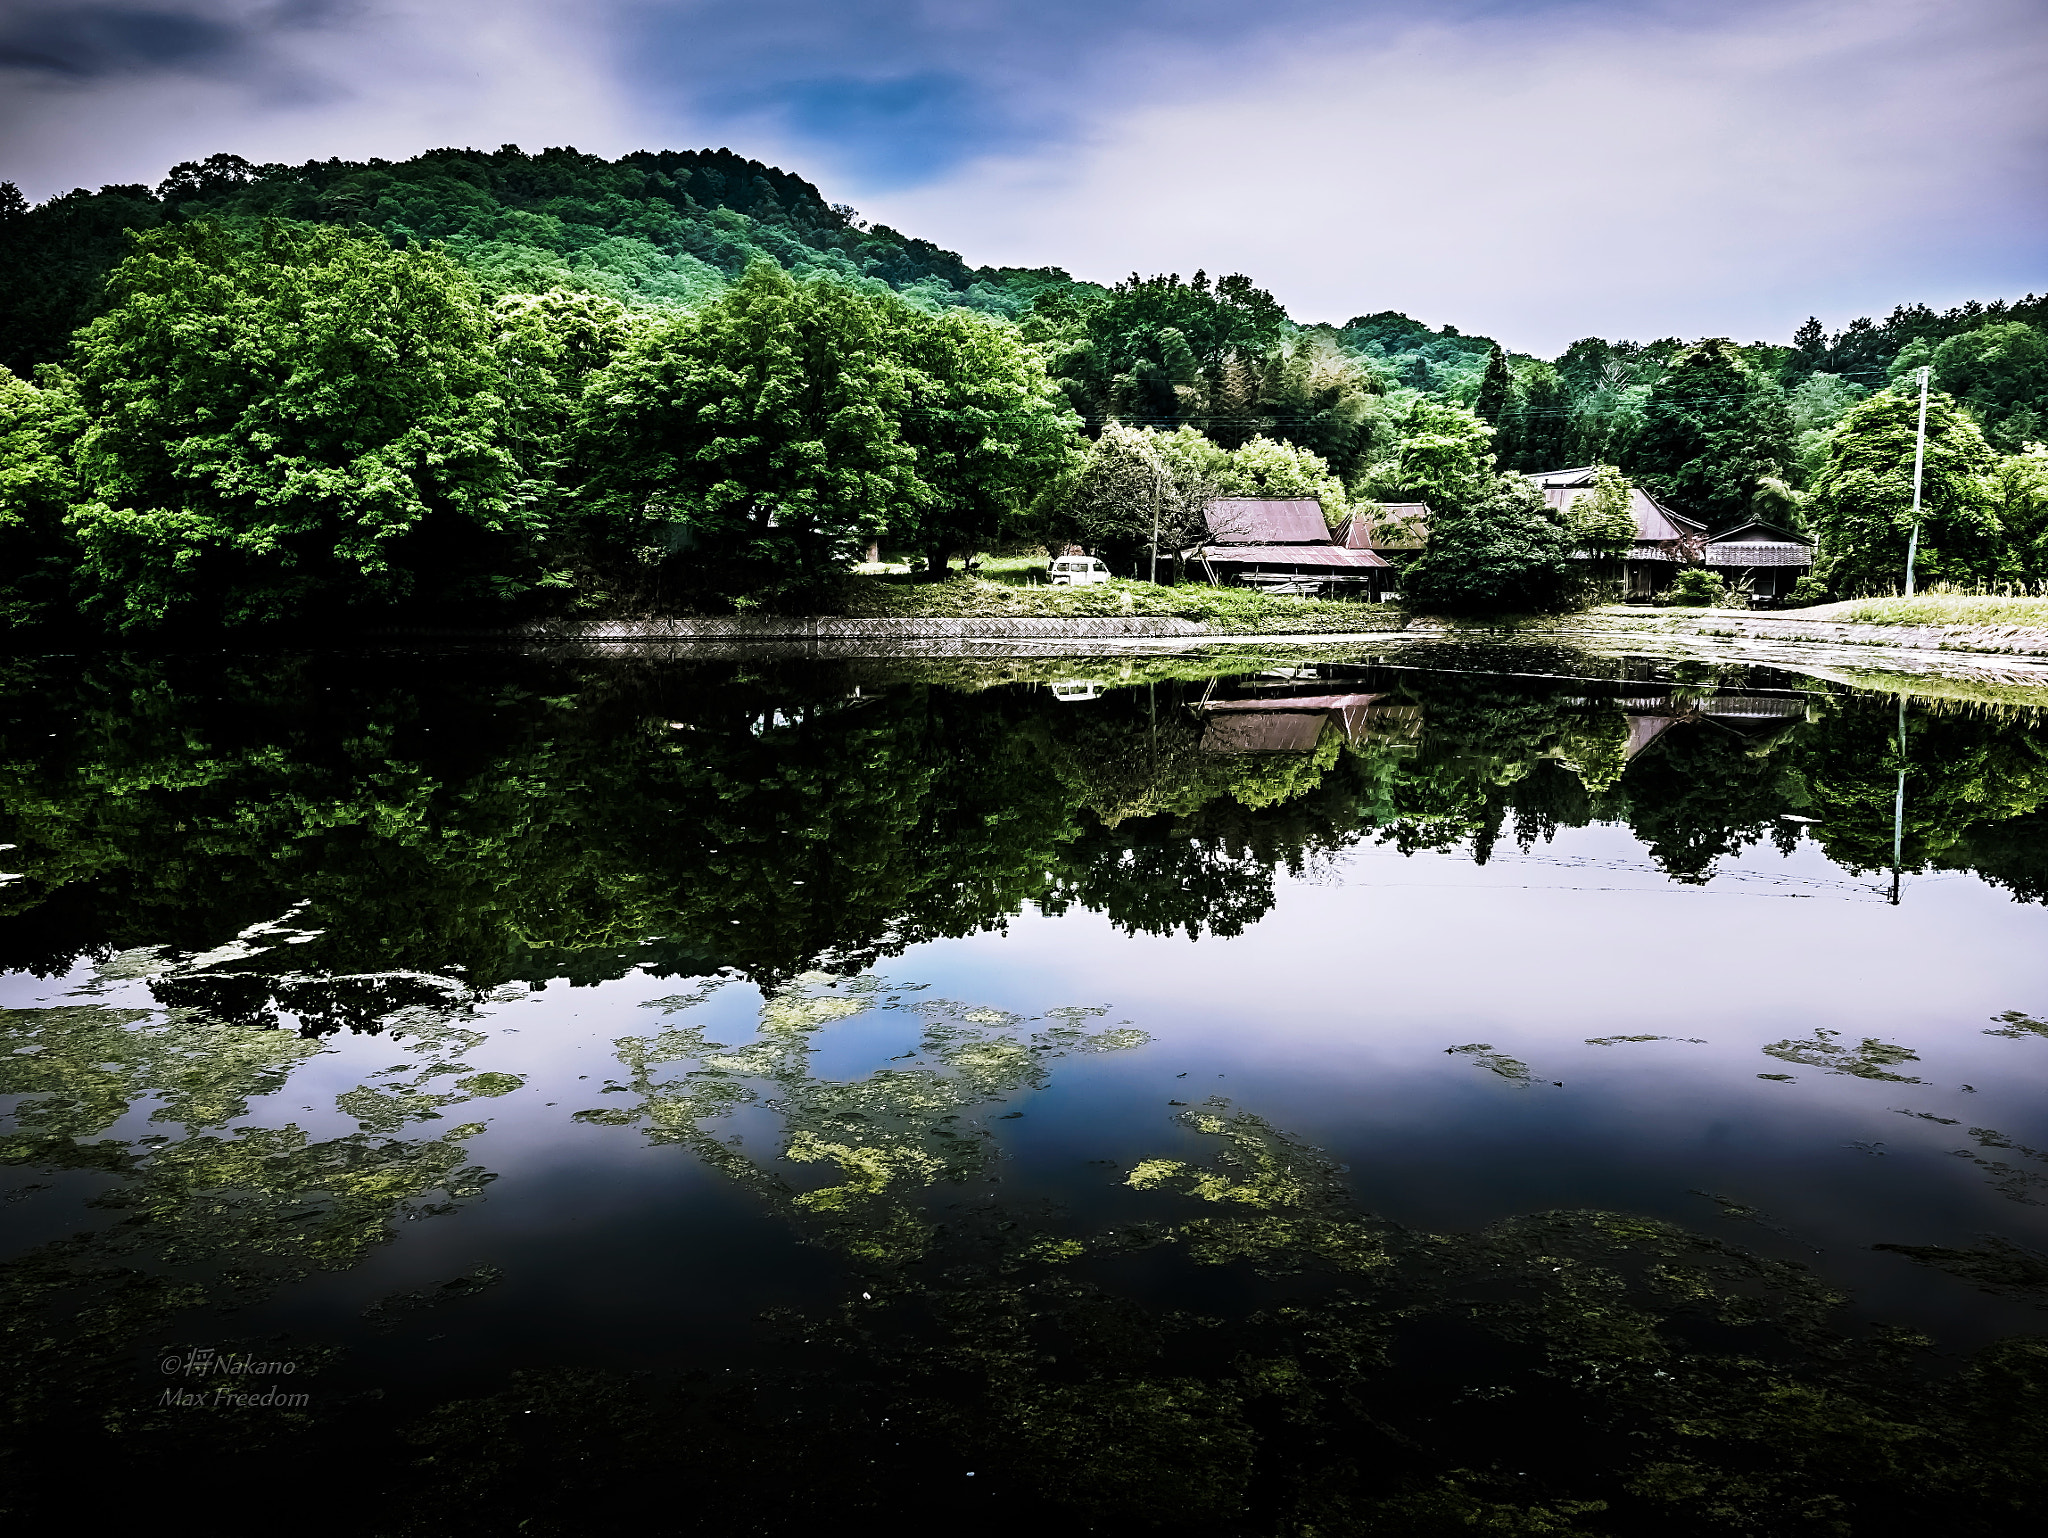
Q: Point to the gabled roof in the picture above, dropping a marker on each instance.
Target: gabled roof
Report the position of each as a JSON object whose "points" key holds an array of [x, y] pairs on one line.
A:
{"points": [[1756, 531], [1582, 476], [1266, 521], [1283, 724], [1654, 521], [1388, 526]]}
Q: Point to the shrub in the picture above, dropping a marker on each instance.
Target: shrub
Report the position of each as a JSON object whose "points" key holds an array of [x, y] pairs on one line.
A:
{"points": [[1809, 589], [1697, 587]]}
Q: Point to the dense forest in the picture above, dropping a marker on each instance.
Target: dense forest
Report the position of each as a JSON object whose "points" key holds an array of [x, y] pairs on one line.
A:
{"points": [[507, 384]]}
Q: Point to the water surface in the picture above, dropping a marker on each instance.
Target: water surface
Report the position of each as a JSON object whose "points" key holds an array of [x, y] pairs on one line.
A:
{"points": [[1492, 1091]]}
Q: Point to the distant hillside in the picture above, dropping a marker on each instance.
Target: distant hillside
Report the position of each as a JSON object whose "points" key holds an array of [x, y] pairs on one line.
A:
{"points": [[668, 228], [650, 227]]}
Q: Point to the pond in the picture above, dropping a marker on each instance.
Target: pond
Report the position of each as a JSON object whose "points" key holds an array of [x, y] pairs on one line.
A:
{"points": [[1447, 1090]]}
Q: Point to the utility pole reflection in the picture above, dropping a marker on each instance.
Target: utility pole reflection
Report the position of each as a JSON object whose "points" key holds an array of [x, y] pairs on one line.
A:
{"points": [[1899, 805]]}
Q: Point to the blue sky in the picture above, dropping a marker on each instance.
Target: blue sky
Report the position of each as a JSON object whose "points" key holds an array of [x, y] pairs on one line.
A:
{"points": [[1535, 171]]}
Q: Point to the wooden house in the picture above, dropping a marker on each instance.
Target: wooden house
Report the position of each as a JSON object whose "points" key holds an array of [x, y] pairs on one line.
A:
{"points": [[1283, 545], [1759, 558]]}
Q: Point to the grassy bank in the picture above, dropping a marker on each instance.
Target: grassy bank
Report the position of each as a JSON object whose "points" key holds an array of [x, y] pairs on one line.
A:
{"points": [[1931, 609], [1238, 611]]}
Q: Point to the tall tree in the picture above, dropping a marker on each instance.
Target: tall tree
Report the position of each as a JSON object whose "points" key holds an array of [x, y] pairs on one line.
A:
{"points": [[287, 419], [1862, 505], [38, 427], [1443, 455], [987, 426], [758, 439], [1505, 552], [2001, 374], [1820, 401], [1135, 480], [1809, 350], [2019, 500], [1154, 349], [1712, 429], [1496, 389], [1543, 423]]}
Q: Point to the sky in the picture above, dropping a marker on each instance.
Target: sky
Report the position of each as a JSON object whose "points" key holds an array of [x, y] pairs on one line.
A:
{"points": [[1533, 170]]}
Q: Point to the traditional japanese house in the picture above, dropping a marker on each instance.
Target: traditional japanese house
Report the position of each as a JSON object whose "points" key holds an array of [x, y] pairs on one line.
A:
{"points": [[1759, 557], [1286, 724], [1752, 716], [1283, 545], [1665, 541]]}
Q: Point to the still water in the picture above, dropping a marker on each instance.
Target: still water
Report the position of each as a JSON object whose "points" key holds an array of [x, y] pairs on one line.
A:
{"points": [[1466, 1090]]}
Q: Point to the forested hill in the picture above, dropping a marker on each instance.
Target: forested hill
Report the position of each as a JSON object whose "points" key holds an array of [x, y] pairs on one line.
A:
{"points": [[513, 383], [653, 226], [662, 227]]}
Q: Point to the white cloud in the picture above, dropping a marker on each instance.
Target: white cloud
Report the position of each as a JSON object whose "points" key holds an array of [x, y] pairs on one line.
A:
{"points": [[388, 79], [1543, 178]]}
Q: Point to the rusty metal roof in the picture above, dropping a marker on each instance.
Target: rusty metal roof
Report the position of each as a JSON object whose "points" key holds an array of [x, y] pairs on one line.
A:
{"points": [[1266, 521], [1654, 521], [1264, 731], [1350, 711], [1292, 555], [1388, 526]]}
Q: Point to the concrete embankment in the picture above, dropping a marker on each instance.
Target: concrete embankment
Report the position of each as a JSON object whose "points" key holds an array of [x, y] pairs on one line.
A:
{"points": [[1993, 640], [748, 627], [2008, 654]]}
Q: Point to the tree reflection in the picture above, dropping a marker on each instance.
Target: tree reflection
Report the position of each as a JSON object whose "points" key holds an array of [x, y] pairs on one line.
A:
{"points": [[521, 818], [1559, 1373]]}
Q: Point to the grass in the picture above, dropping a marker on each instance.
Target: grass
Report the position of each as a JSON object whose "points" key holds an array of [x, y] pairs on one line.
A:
{"points": [[1932, 609], [1238, 611]]}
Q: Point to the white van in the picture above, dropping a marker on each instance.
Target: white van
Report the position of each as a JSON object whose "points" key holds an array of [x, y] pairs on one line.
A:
{"points": [[1078, 571]]}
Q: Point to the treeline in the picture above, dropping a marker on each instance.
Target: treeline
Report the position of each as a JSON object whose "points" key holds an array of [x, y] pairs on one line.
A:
{"points": [[508, 383]]}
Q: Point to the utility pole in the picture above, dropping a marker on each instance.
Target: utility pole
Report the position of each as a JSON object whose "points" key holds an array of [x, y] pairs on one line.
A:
{"points": [[1155, 524], [1919, 464]]}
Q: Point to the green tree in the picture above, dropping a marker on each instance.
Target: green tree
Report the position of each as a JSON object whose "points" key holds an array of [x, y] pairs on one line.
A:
{"points": [[2019, 500], [38, 426], [550, 345], [759, 437], [1862, 505], [287, 420], [1156, 350], [2000, 373], [1816, 406], [1265, 468], [1508, 552], [54, 262], [1443, 455], [1712, 428], [1496, 389], [1544, 438], [987, 426], [1604, 518], [1313, 396], [1132, 481]]}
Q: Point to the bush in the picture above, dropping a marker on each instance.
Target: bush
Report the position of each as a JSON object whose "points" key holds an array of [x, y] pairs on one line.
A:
{"points": [[1509, 553], [1697, 587], [1809, 589]]}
